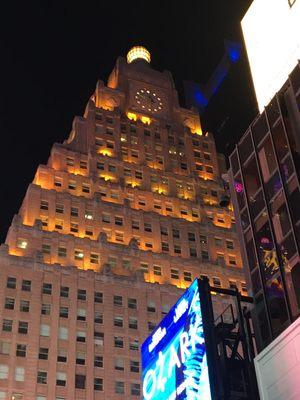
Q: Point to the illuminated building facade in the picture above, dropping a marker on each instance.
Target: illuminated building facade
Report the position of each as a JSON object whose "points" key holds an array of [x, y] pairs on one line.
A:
{"points": [[123, 217]]}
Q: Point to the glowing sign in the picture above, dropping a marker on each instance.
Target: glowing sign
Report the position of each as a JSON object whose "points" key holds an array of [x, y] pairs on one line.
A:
{"points": [[271, 30], [174, 357]]}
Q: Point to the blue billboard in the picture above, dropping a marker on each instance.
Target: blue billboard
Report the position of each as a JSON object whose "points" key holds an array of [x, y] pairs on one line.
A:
{"points": [[174, 358]]}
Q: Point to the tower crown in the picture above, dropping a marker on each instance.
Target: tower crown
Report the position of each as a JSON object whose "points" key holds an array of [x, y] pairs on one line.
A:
{"points": [[138, 53]]}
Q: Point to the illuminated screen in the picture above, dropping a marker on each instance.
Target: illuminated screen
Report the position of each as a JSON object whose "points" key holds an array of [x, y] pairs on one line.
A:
{"points": [[271, 29], [174, 357]]}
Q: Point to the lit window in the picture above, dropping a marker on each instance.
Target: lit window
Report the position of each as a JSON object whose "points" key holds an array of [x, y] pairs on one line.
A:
{"points": [[22, 243], [44, 330]]}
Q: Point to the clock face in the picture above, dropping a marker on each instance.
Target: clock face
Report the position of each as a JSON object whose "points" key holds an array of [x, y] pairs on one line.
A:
{"points": [[148, 100]]}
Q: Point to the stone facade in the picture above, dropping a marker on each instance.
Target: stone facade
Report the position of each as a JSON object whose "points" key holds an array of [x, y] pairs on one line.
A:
{"points": [[121, 219]]}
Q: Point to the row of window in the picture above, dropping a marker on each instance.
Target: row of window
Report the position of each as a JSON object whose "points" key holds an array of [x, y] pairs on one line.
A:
{"points": [[62, 356]]}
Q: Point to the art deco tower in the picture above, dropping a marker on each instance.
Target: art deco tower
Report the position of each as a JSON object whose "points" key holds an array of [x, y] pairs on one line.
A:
{"points": [[122, 218]]}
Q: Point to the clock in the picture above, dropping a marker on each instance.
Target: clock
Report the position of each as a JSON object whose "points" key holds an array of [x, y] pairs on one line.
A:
{"points": [[148, 100]]}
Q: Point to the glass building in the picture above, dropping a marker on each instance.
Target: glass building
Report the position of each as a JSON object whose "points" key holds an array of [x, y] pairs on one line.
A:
{"points": [[264, 179]]}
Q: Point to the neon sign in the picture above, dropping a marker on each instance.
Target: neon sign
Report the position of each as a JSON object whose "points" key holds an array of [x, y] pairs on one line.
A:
{"points": [[174, 358]]}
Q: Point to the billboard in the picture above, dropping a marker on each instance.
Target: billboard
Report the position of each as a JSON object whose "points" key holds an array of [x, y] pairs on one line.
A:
{"points": [[174, 357], [271, 30]]}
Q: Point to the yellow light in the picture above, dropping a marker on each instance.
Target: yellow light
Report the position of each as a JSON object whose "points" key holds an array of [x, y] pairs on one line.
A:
{"points": [[131, 116], [146, 120], [138, 53], [198, 131], [105, 152], [106, 177]]}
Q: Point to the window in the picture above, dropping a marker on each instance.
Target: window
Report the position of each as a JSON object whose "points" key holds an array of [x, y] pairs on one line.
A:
{"points": [[218, 242], [165, 246], [164, 231], [132, 323], [229, 244], [244, 287], [144, 267], [61, 378], [47, 288], [203, 239], [80, 358], [80, 381], [40, 397], [177, 249], [112, 261], [151, 326], [165, 308], [74, 227], [151, 307], [26, 285], [118, 300], [23, 327], [72, 185], [135, 224], [138, 174], [43, 353], [98, 384], [64, 291], [119, 221], [134, 366], [81, 294], [94, 258], [118, 321], [21, 350], [62, 355], [64, 312], [22, 243], [81, 314], [57, 181], [216, 282], [59, 208], [80, 336], [106, 218], [119, 236], [98, 297], [99, 338], [205, 255], [119, 364], [193, 252], [78, 255], [9, 303], [44, 205], [147, 227], [46, 309], [174, 274], [133, 344], [232, 260], [232, 285], [187, 276], [157, 270], [63, 333], [46, 249], [176, 233], [7, 325], [98, 361], [132, 303], [44, 330], [98, 317], [206, 156], [135, 389], [3, 371], [5, 347], [119, 341], [11, 282], [42, 377], [70, 161], [85, 188], [24, 305], [191, 237], [119, 387]]}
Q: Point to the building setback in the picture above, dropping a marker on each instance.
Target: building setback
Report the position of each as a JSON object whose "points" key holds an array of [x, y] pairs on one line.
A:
{"points": [[121, 219]]}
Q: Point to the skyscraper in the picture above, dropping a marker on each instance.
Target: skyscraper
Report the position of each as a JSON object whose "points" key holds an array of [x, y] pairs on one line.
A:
{"points": [[123, 217]]}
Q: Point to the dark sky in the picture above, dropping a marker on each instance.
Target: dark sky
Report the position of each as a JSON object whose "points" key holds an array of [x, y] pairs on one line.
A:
{"points": [[53, 53]]}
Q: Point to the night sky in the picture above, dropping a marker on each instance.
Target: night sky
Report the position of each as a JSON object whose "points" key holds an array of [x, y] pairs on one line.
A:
{"points": [[53, 53]]}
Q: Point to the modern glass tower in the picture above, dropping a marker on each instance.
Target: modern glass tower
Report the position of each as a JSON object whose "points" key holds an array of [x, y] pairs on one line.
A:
{"points": [[124, 215], [264, 175]]}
